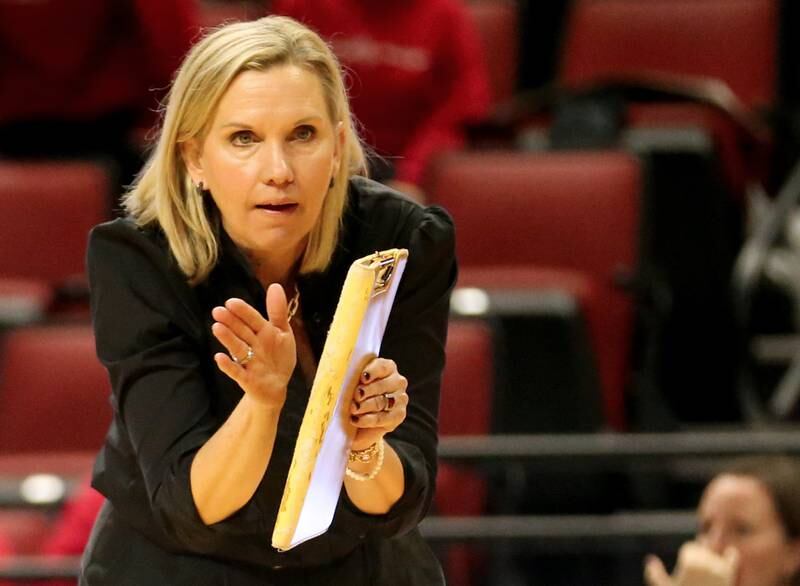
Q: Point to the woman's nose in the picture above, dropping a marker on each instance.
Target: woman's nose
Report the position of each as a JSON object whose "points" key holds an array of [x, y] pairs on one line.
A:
{"points": [[276, 168], [716, 540]]}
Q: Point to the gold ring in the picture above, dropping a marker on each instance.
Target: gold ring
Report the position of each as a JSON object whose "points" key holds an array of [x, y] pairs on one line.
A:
{"points": [[248, 357]]}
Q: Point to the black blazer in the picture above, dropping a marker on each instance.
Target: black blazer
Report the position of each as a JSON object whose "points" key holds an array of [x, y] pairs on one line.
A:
{"points": [[154, 337]]}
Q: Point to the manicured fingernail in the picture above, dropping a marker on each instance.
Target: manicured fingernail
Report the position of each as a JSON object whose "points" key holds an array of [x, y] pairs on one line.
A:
{"points": [[360, 393], [354, 418], [365, 375], [390, 402]]}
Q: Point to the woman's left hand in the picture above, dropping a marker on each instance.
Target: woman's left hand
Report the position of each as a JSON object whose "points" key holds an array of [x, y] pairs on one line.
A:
{"points": [[379, 402], [697, 566]]}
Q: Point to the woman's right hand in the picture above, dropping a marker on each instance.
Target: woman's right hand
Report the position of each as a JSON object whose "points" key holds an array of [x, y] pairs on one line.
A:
{"points": [[239, 326], [697, 566]]}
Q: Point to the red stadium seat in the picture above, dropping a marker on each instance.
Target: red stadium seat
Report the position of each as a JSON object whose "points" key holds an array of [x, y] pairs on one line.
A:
{"points": [[734, 41], [557, 221], [467, 382], [46, 211], [709, 71], [54, 393], [691, 43], [465, 409]]}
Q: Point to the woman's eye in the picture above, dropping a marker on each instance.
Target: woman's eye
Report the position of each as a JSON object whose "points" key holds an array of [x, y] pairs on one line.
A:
{"points": [[242, 138], [743, 529], [304, 133]]}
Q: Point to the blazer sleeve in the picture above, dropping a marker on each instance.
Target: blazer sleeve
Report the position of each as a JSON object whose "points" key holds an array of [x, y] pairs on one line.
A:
{"points": [[415, 339], [149, 337]]}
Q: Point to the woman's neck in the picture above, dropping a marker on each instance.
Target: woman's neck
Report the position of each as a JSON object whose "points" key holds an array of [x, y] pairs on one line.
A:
{"points": [[275, 268], [269, 271]]}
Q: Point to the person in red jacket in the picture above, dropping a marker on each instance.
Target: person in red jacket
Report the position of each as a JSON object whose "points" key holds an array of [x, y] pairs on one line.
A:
{"points": [[71, 530], [79, 76], [6, 550], [418, 75]]}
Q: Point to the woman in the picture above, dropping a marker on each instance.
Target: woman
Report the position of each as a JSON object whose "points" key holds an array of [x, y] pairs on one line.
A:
{"points": [[252, 196], [749, 530]]}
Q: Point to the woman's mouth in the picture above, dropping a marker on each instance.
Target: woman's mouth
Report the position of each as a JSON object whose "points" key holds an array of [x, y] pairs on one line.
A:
{"points": [[278, 208]]}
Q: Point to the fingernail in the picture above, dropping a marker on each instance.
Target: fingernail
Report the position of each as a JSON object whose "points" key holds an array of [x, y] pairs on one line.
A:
{"points": [[354, 418], [360, 393], [365, 375]]}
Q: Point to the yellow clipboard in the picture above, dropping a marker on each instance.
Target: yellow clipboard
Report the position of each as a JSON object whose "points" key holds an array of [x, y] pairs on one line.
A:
{"points": [[318, 465]]}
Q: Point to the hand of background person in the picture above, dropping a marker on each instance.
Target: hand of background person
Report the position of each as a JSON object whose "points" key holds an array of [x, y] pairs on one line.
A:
{"points": [[697, 566], [379, 402], [238, 325]]}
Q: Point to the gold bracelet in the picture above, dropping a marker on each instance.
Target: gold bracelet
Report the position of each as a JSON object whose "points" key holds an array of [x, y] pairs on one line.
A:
{"points": [[362, 456]]}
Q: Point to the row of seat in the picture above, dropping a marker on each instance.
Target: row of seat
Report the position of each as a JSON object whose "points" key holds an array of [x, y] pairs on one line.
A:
{"points": [[54, 393], [562, 221], [55, 411]]}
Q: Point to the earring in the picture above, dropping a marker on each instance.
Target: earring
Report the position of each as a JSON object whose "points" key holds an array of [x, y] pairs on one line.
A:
{"points": [[200, 188]]}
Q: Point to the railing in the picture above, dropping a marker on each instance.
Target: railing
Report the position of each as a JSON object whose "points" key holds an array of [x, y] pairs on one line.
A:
{"points": [[615, 532]]}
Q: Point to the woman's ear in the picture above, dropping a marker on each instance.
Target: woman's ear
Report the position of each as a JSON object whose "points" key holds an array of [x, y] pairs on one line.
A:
{"points": [[193, 159]]}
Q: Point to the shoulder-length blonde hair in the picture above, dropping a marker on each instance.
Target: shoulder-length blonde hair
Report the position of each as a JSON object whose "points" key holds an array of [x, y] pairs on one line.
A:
{"points": [[163, 192]]}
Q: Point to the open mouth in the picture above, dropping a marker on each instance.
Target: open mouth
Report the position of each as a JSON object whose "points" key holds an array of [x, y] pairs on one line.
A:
{"points": [[278, 207]]}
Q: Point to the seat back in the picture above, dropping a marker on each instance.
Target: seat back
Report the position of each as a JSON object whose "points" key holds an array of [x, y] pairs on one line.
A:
{"points": [[735, 41], [568, 212], [54, 393], [467, 382], [46, 212], [561, 210], [465, 409]]}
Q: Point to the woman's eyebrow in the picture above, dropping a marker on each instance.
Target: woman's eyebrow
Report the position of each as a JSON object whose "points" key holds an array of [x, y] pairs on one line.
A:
{"points": [[237, 125]]}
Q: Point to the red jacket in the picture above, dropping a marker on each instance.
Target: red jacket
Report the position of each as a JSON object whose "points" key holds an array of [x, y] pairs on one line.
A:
{"points": [[71, 530], [418, 73], [80, 59]]}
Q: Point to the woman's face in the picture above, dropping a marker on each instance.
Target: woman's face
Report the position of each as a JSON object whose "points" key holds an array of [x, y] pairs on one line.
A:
{"points": [[739, 511], [268, 159]]}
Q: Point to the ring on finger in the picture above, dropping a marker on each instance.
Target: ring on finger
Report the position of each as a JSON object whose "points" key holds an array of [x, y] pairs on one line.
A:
{"points": [[389, 401], [248, 357]]}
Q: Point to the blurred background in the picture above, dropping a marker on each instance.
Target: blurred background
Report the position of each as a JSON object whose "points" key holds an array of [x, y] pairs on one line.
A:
{"points": [[623, 177]]}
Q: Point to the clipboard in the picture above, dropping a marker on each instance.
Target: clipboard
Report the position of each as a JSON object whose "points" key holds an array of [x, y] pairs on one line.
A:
{"points": [[317, 471]]}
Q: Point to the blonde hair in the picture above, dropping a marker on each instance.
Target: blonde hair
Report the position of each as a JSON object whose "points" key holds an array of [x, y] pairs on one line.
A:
{"points": [[164, 193]]}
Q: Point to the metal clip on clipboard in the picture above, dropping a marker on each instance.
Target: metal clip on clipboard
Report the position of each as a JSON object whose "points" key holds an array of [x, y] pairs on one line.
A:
{"points": [[384, 264]]}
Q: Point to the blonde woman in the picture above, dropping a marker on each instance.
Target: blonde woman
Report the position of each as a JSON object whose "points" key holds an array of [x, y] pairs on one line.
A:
{"points": [[211, 302]]}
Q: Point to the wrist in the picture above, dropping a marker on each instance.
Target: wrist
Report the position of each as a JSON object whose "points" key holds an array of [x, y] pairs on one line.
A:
{"points": [[262, 407], [366, 463]]}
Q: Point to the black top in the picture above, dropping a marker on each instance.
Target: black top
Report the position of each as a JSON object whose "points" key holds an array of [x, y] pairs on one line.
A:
{"points": [[153, 334]]}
